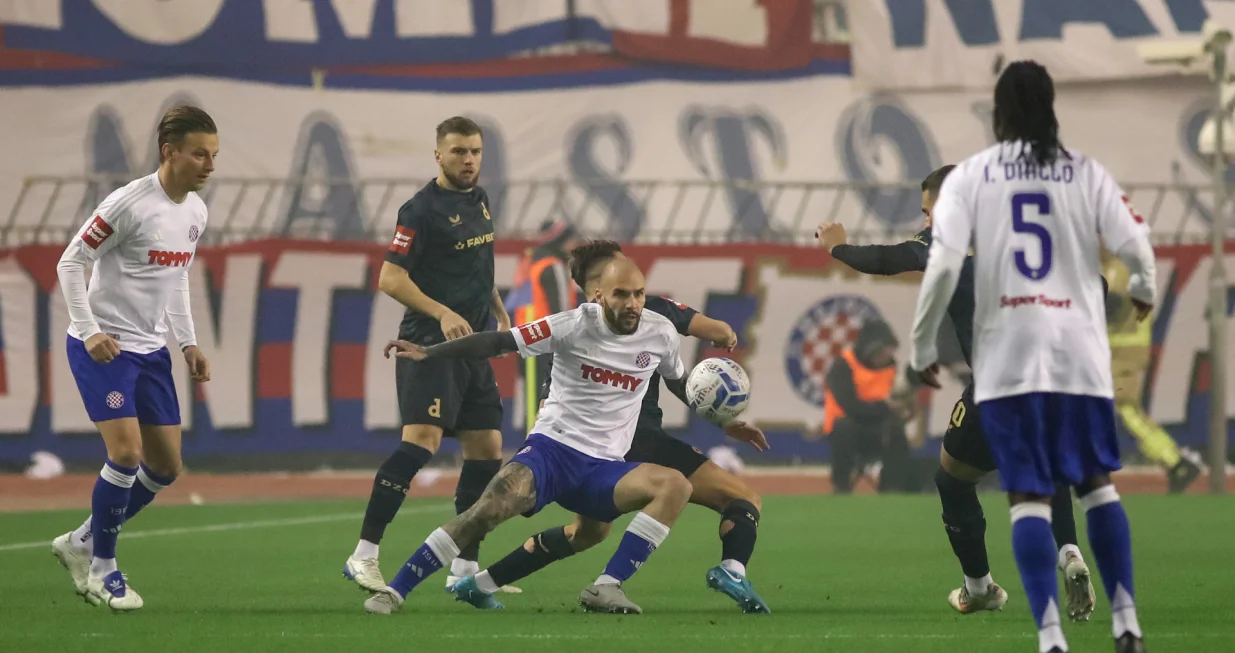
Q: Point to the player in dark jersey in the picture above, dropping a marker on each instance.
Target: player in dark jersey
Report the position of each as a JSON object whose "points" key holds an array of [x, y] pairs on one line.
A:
{"points": [[965, 458], [712, 486], [440, 266]]}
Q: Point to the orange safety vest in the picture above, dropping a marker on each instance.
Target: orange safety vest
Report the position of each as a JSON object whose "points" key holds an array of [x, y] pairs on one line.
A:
{"points": [[539, 307], [872, 385]]}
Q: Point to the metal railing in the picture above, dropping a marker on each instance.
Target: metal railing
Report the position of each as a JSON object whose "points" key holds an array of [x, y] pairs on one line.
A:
{"points": [[49, 209]]}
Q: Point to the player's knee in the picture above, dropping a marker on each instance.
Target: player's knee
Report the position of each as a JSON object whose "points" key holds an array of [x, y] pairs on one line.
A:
{"points": [[126, 452], [426, 436], [673, 487], [168, 469], [588, 535], [480, 445]]}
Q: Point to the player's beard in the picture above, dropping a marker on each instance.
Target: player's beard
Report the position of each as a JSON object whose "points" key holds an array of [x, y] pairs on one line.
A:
{"points": [[615, 321], [459, 183]]}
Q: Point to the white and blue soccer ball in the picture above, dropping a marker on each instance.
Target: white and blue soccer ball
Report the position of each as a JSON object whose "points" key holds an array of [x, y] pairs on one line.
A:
{"points": [[718, 390]]}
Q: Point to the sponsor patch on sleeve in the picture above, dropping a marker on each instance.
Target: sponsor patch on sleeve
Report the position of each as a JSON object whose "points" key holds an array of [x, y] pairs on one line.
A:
{"points": [[535, 332], [402, 243], [97, 232]]}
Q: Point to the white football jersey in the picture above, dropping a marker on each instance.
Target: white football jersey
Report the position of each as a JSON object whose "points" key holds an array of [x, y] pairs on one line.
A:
{"points": [[1040, 317], [598, 378], [141, 244]]}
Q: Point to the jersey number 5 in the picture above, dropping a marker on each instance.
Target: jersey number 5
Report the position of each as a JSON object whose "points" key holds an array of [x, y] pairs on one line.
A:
{"points": [[1042, 202]]}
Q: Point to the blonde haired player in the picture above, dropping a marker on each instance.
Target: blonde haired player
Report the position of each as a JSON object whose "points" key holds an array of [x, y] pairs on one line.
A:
{"points": [[141, 240], [1131, 343]]}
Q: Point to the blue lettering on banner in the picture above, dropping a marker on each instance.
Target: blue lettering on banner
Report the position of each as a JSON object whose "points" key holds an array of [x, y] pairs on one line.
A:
{"points": [[303, 33], [867, 129], [1124, 18], [976, 25], [604, 186], [731, 133], [322, 152], [974, 21]]}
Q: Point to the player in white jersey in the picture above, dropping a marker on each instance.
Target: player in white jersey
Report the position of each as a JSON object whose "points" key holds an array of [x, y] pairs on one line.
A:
{"points": [[603, 356], [1037, 215], [141, 241]]}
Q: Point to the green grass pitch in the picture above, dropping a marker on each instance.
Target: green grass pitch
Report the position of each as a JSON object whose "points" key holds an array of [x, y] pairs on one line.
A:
{"points": [[862, 573]]}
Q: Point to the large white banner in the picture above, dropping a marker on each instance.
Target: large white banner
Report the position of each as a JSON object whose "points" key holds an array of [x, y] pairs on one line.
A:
{"points": [[812, 129], [939, 44]]}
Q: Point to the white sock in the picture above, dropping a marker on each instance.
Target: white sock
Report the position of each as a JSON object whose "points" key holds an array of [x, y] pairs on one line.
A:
{"points": [[460, 567], [484, 582], [1067, 550], [101, 567], [365, 550], [978, 586], [1051, 634], [81, 537], [1123, 614], [734, 567], [442, 545], [606, 579]]}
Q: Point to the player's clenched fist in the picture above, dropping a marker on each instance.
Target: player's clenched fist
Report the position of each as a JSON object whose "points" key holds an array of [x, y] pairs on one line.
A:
{"points": [[199, 367], [405, 349], [454, 326], [830, 234], [102, 348]]}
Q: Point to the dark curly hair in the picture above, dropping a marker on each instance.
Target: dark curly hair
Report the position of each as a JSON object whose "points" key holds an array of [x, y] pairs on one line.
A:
{"points": [[584, 256]]}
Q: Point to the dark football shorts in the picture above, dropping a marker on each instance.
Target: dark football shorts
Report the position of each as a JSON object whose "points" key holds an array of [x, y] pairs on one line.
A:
{"points": [[450, 393], [652, 445], [964, 440]]}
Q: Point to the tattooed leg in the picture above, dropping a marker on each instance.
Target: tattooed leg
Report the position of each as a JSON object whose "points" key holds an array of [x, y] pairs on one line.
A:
{"points": [[511, 493]]}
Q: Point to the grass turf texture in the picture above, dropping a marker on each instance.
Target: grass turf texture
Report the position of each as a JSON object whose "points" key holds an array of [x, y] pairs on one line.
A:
{"points": [[863, 573]]}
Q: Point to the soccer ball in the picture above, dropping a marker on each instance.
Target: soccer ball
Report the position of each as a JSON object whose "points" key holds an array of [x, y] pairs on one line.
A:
{"points": [[718, 390]]}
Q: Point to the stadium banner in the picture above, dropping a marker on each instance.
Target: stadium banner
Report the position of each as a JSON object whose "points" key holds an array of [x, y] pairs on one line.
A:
{"points": [[606, 144], [295, 330], [942, 44], [289, 35]]}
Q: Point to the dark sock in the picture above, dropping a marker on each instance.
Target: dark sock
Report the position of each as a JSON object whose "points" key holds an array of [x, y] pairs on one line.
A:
{"points": [[964, 522], [739, 543], [144, 490], [547, 548], [390, 487], [1063, 525], [473, 480]]}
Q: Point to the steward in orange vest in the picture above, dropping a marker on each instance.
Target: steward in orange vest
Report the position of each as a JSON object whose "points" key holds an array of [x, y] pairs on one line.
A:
{"points": [[860, 423], [542, 287]]}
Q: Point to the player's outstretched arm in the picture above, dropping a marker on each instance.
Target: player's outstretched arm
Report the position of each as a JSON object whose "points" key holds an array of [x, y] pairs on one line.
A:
{"points": [[881, 260], [720, 334], [486, 344]]}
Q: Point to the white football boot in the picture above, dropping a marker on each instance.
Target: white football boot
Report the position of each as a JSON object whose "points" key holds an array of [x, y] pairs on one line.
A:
{"points": [[73, 560], [113, 591], [365, 572]]}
